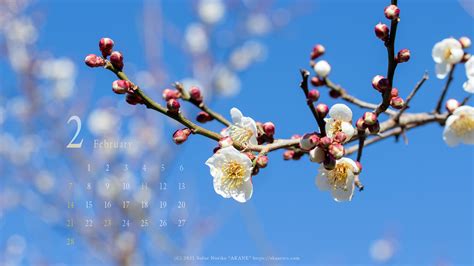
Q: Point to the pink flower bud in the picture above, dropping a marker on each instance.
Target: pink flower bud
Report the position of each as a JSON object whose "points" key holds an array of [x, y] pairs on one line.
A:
{"points": [[374, 129], [313, 95], [317, 82], [116, 59], [359, 168], [317, 155], [324, 142], [380, 83], [169, 94], [134, 99], [451, 105], [329, 163], [309, 141], [288, 155], [322, 110], [262, 161], [181, 135], [250, 155], [397, 102], [195, 94], [336, 150], [369, 118], [465, 42], [225, 142], [392, 12], [334, 94], [381, 31], [318, 50], [340, 137], [360, 124], [403, 56], [269, 128], [394, 92], [106, 45], [121, 86], [203, 117], [93, 60], [173, 105]]}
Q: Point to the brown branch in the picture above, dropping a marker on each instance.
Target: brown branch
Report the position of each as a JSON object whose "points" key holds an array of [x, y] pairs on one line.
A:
{"points": [[411, 95], [445, 90], [304, 86], [360, 148]]}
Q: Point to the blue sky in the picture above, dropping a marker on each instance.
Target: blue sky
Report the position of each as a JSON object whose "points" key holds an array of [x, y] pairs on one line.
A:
{"points": [[421, 194]]}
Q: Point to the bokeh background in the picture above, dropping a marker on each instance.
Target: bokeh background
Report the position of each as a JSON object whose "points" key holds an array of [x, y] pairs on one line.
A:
{"points": [[417, 208]]}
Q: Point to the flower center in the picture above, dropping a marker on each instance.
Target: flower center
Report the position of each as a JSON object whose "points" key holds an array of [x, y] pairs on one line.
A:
{"points": [[447, 53], [338, 176], [463, 125], [240, 135], [234, 173], [336, 127]]}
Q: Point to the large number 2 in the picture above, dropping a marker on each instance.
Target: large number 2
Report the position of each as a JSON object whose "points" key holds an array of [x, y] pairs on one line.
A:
{"points": [[71, 144]]}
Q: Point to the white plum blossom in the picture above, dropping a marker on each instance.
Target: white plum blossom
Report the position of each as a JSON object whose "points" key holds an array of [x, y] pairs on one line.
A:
{"points": [[322, 68], [446, 53], [232, 172], [340, 180], [459, 127], [340, 117], [244, 129], [469, 84]]}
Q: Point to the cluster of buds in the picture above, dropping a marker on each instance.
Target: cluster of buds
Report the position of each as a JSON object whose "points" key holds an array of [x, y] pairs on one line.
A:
{"points": [[294, 153], [382, 31], [120, 86], [396, 101], [328, 150], [322, 68], [368, 121], [181, 135], [265, 132], [171, 97]]}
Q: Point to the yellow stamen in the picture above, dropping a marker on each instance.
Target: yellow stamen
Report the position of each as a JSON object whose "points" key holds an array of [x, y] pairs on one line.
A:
{"points": [[240, 135], [463, 125], [338, 176], [234, 173], [447, 53], [336, 127]]}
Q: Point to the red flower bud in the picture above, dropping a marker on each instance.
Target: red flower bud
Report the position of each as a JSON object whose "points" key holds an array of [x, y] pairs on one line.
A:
{"points": [[369, 118], [181, 135], [116, 59], [336, 150], [169, 94], [374, 129], [203, 117], [269, 128], [318, 50], [340, 137], [360, 124], [121, 86], [106, 45], [316, 81], [195, 94], [313, 95], [381, 31], [397, 102], [394, 92], [380, 83], [465, 42], [173, 105], [451, 105], [324, 142], [403, 56], [322, 110], [134, 99], [288, 155], [392, 12], [93, 60], [334, 94], [262, 161]]}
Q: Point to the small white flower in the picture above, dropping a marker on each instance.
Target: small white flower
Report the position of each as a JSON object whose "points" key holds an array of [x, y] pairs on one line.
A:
{"points": [[446, 53], [231, 171], [340, 117], [340, 180], [469, 84], [459, 127], [322, 68], [244, 129]]}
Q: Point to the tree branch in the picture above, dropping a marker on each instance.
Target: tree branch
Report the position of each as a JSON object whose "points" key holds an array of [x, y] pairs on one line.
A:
{"points": [[304, 86], [411, 95], [445, 90]]}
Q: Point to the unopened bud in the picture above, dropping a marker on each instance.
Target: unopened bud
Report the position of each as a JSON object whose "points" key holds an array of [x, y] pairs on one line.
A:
{"points": [[334, 94], [309, 141], [403, 56], [313, 95], [269, 128], [93, 60], [322, 110], [181, 135], [288, 155], [322, 68], [318, 50], [324, 142], [369, 118], [329, 163], [397, 102], [340, 137], [336, 150], [381, 31], [169, 94], [374, 129], [255, 170], [392, 12], [465, 42], [204, 117], [225, 142], [317, 155], [106, 45], [394, 92], [380, 83], [195, 94], [360, 124], [451, 105], [173, 105], [134, 99], [121, 86], [317, 82], [466, 57], [116, 58], [262, 161]]}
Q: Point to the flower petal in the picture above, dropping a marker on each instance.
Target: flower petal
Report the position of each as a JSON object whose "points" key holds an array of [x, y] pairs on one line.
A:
{"points": [[438, 52], [348, 129], [470, 68], [469, 85], [341, 112], [465, 109], [456, 55], [236, 115], [341, 195], [442, 70], [322, 180], [317, 155], [450, 138], [244, 193]]}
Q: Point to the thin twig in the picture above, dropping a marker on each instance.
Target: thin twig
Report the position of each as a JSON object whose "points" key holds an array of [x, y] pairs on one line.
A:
{"points": [[411, 95], [445, 90], [304, 86], [362, 138]]}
